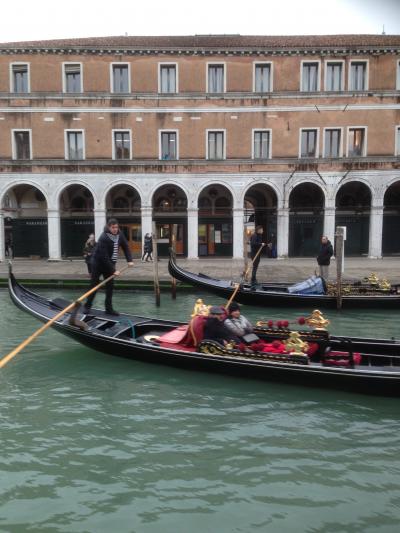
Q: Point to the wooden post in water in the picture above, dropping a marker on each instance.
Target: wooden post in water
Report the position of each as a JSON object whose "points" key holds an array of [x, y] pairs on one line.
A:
{"points": [[173, 243], [155, 266], [339, 244]]}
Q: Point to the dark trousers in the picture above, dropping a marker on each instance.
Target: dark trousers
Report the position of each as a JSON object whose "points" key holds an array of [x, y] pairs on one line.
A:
{"points": [[256, 262], [97, 272]]}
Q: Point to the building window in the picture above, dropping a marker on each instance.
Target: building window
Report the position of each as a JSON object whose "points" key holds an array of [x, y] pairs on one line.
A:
{"points": [[20, 78], [168, 145], [397, 152], [122, 145], [308, 143], [398, 76], [356, 142], [120, 78], [22, 144], [310, 77], [72, 78], [216, 145], [74, 145], [261, 145], [334, 76], [262, 78], [168, 79], [332, 142], [358, 76], [216, 79]]}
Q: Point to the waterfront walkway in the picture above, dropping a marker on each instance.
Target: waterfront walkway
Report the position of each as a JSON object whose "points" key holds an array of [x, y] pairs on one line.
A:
{"points": [[292, 270]]}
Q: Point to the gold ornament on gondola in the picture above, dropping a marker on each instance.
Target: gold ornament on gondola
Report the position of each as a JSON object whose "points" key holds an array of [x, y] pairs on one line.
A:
{"points": [[295, 345], [373, 279], [200, 308], [317, 321], [385, 285]]}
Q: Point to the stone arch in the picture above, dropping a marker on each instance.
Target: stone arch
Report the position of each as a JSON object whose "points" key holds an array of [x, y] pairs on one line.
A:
{"points": [[391, 219], [306, 218], [260, 209]]}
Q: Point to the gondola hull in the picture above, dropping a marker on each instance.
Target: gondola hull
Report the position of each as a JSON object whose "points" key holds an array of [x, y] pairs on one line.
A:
{"points": [[274, 295], [104, 337]]}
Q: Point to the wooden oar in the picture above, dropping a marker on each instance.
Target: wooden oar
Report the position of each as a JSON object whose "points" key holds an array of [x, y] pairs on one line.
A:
{"points": [[27, 341], [245, 274]]}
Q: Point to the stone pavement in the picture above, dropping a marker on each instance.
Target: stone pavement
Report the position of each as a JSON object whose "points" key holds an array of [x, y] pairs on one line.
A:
{"points": [[292, 270]]}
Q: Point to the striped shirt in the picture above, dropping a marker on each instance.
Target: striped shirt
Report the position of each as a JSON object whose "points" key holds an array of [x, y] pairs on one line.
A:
{"points": [[115, 239]]}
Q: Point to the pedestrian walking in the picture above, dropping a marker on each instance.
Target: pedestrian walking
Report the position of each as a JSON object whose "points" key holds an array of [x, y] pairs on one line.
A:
{"points": [[104, 260], [324, 257], [88, 251], [147, 248]]}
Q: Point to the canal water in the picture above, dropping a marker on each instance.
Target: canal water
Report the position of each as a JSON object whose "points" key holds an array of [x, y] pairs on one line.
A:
{"points": [[94, 443]]}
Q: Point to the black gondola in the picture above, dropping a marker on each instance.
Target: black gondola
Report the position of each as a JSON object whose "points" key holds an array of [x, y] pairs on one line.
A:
{"points": [[138, 338], [277, 294]]}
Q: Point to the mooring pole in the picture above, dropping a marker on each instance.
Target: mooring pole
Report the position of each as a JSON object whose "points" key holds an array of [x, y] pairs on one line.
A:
{"points": [[339, 251], [155, 266], [173, 245], [245, 255]]}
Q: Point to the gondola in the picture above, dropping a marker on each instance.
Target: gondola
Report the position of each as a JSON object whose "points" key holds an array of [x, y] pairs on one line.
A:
{"points": [[141, 338], [355, 295]]}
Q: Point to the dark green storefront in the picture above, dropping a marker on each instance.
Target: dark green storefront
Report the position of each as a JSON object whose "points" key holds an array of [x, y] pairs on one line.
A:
{"points": [[74, 234], [305, 233], [390, 234], [357, 233], [30, 237]]}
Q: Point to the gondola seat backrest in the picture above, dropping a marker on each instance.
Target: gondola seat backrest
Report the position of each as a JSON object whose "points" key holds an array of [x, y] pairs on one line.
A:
{"points": [[195, 333]]}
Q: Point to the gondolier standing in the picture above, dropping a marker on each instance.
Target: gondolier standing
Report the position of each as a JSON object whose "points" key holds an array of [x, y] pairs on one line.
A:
{"points": [[324, 257], [256, 242], [104, 259]]}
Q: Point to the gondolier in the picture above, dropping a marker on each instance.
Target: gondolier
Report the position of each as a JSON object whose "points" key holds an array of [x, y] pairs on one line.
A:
{"points": [[104, 259], [256, 242]]}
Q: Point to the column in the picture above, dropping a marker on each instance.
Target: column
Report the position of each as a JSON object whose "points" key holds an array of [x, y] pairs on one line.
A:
{"points": [[99, 221], [147, 221], [2, 246], [193, 233], [283, 232], [329, 222], [238, 218], [54, 234], [375, 232]]}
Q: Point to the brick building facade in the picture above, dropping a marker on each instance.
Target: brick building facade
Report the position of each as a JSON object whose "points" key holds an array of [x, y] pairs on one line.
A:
{"points": [[212, 133]]}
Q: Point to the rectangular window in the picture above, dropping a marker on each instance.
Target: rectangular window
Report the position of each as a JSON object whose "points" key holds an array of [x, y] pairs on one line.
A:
{"points": [[334, 76], [20, 78], [332, 141], [356, 142], [398, 76], [358, 76], [72, 78], [168, 79], [74, 145], [215, 143], [120, 79], [22, 145], [308, 143], [310, 77], [262, 78], [261, 145], [169, 149], [216, 80], [122, 145]]}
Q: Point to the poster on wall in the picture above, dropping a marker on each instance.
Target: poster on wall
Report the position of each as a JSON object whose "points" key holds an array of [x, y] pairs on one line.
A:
{"points": [[217, 237]]}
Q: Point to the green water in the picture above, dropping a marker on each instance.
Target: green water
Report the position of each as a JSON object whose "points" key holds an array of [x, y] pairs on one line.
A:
{"points": [[94, 443]]}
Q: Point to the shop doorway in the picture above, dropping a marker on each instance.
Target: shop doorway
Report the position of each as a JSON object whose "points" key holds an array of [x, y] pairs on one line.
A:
{"points": [[133, 234]]}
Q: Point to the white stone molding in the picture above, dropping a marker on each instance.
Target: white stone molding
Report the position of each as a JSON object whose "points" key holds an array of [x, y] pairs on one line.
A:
{"points": [[99, 221], [193, 233], [2, 239], [238, 228], [54, 234], [283, 232]]}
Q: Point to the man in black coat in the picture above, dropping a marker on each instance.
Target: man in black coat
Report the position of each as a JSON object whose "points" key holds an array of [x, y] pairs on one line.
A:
{"points": [[256, 242], [104, 258], [215, 329], [324, 257]]}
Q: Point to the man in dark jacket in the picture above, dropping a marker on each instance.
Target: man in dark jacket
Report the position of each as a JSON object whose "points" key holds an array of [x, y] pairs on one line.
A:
{"points": [[324, 257], [215, 329], [256, 242], [104, 258]]}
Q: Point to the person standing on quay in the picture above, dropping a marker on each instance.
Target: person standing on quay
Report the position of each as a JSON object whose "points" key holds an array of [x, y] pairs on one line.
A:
{"points": [[147, 248], [88, 251], [104, 259], [256, 242], [324, 257]]}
